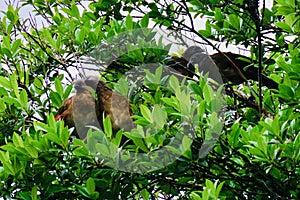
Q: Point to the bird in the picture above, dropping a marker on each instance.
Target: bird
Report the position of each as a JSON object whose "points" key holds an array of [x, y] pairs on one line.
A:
{"points": [[79, 110], [198, 56], [111, 104], [231, 74], [65, 112], [222, 70]]}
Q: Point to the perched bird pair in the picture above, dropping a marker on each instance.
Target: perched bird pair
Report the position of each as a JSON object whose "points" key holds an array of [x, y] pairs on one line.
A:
{"points": [[111, 104], [84, 110]]}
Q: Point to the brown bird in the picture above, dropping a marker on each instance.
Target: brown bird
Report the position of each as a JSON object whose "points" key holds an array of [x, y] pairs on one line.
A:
{"points": [[229, 73], [111, 104], [65, 112], [79, 111], [221, 69]]}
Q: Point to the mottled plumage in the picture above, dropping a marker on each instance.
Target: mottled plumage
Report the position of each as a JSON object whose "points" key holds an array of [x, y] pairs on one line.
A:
{"points": [[111, 104], [79, 111]]}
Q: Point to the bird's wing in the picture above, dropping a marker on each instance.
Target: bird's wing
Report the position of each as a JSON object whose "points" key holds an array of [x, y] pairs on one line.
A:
{"points": [[231, 74], [206, 65], [65, 112], [121, 112], [64, 108]]}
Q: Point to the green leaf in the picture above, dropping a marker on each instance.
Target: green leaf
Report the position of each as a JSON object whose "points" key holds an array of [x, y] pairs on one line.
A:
{"points": [[74, 11], [9, 168], [24, 99], [107, 127], [146, 113], [53, 137], [129, 22], [141, 121], [12, 14], [122, 87], [6, 52], [57, 19], [4, 156], [34, 192], [17, 140], [48, 37], [186, 147], [139, 142], [14, 84], [145, 21], [218, 14], [55, 98], [208, 27], [38, 83], [81, 149], [284, 26], [80, 35], [15, 46], [6, 42], [2, 105], [296, 147], [90, 185], [159, 117], [286, 91], [67, 91], [51, 121], [58, 87], [103, 149], [204, 33], [63, 133], [5, 83], [235, 21], [219, 188], [11, 101], [158, 73], [31, 151], [150, 78], [174, 83], [208, 93], [173, 102]]}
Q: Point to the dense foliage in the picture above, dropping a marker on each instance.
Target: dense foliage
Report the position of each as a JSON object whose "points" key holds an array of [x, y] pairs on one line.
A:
{"points": [[257, 151]]}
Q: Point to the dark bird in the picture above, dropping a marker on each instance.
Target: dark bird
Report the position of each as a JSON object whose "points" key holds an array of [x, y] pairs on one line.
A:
{"points": [[205, 64], [111, 104], [222, 70], [230, 73], [79, 111]]}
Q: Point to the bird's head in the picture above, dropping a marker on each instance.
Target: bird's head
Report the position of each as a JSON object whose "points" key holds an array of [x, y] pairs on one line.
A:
{"points": [[95, 82], [91, 81], [189, 52], [198, 58], [79, 85]]}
